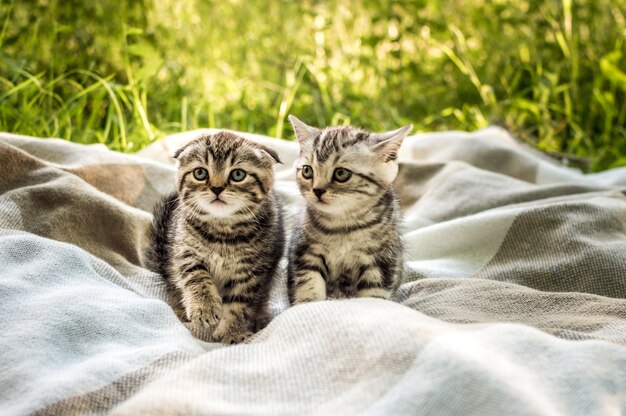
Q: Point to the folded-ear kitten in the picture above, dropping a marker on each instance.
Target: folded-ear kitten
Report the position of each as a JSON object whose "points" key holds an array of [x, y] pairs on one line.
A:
{"points": [[218, 238]]}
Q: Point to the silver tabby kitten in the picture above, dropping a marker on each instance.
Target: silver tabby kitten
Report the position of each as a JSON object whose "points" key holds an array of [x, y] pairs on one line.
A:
{"points": [[218, 238], [348, 243]]}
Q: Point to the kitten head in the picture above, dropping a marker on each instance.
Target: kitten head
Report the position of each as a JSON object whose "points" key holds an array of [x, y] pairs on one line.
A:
{"points": [[223, 175], [343, 170]]}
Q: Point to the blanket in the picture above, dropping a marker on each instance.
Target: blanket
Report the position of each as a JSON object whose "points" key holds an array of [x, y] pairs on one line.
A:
{"points": [[514, 300]]}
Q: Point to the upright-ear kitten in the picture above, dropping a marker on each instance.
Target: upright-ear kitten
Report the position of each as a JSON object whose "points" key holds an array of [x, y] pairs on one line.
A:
{"points": [[348, 243], [218, 238]]}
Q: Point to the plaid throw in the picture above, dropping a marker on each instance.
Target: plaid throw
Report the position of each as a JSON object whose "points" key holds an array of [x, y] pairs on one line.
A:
{"points": [[514, 302]]}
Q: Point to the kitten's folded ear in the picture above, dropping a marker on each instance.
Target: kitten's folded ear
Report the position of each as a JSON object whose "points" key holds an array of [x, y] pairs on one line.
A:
{"points": [[388, 144], [179, 151], [304, 133], [270, 152]]}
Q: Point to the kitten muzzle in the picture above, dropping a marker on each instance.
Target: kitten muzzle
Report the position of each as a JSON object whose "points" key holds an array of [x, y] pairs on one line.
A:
{"points": [[318, 193]]}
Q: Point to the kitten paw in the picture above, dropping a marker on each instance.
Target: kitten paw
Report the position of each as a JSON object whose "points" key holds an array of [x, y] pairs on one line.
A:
{"points": [[206, 316], [231, 337], [235, 338]]}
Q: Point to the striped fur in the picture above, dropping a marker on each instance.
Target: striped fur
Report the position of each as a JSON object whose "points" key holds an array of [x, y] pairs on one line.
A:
{"points": [[219, 258], [348, 242]]}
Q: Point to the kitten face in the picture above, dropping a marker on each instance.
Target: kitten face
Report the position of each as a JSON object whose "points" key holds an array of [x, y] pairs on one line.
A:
{"points": [[342, 170], [224, 175]]}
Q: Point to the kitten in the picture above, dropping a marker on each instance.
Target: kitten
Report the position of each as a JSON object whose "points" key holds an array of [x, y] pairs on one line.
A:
{"points": [[218, 238], [348, 243]]}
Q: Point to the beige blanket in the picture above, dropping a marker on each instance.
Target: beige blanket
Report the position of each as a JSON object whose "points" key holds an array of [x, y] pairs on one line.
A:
{"points": [[514, 302]]}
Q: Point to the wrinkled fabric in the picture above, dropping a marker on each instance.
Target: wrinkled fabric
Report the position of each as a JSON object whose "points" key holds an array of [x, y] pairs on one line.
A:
{"points": [[514, 301]]}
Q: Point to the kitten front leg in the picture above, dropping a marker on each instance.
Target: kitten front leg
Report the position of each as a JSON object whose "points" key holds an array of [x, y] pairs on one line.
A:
{"points": [[201, 299], [370, 284], [238, 318], [236, 325], [306, 285]]}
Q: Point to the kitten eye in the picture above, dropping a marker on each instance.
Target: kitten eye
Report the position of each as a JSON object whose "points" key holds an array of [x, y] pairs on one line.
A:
{"points": [[200, 174], [307, 172], [238, 175], [342, 174]]}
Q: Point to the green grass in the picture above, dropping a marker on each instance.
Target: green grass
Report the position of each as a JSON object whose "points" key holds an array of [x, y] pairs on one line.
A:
{"points": [[127, 73]]}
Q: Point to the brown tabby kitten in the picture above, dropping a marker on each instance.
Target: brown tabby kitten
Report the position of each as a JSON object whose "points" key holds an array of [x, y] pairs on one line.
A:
{"points": [[218, 238], [348, 243]]}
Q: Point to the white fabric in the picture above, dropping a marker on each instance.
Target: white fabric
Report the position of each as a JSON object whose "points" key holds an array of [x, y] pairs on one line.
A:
{"points": [[513, 305]]}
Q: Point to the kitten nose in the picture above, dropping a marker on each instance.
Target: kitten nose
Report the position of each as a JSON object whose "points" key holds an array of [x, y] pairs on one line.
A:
{"points": [[217, 190], [319, 192]]}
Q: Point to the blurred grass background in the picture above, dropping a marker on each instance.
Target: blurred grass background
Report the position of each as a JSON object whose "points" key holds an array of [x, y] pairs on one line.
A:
{"points": [[125, 73]]}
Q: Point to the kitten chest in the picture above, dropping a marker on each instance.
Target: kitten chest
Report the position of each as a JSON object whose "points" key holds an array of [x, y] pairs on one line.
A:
{"points": [[222, 265], [346, 255]]}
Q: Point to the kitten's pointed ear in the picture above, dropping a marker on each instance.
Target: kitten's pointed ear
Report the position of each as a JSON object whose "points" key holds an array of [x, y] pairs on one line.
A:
{"points": [[388, 144], [304, 133]]}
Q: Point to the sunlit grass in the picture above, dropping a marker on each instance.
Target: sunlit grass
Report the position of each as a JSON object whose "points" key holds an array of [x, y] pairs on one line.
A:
{"points": [[127, 73]]}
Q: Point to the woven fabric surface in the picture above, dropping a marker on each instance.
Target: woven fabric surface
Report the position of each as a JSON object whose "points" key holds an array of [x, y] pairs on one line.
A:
{"points": [[514, 301]]}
